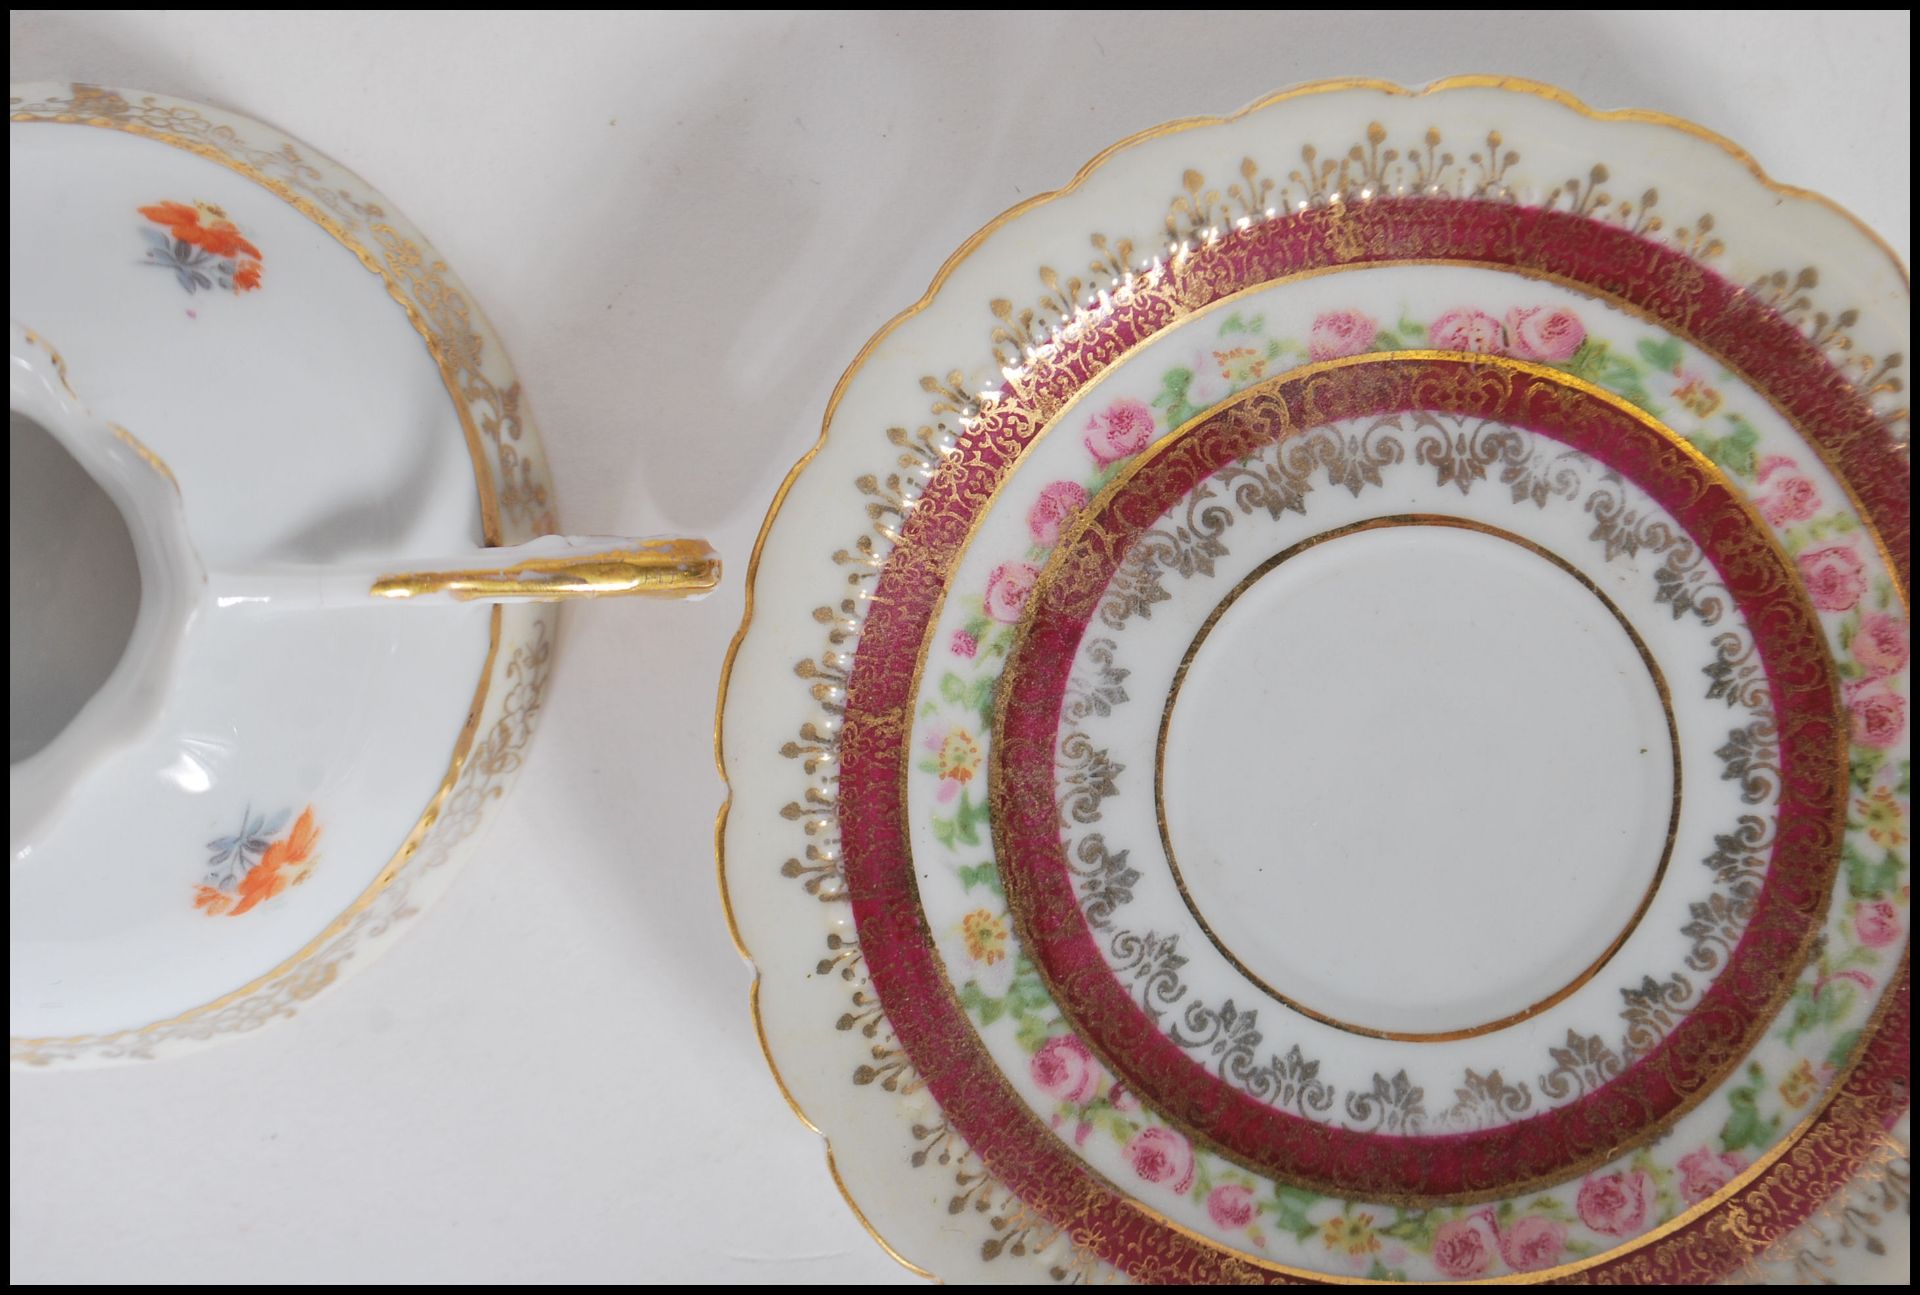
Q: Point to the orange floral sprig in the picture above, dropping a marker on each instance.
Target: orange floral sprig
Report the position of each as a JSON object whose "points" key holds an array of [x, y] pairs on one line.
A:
{"points": [[199, 231], [285, 863]]}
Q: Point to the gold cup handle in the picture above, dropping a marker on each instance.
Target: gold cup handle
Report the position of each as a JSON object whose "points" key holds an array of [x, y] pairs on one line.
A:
{"points": [[588, 568], [550, 569]]}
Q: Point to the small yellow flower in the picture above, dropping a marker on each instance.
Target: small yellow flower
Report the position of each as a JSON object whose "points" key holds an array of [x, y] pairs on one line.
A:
{"points": [[1696, 395], [1798, 1087], [1353, 1234], [1241, 364], [1880, 815], [959, 757], [986, 936]]}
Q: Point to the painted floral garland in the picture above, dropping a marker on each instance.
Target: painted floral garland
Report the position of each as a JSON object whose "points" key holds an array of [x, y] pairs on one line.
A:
{"points": [[1530, 467], [999, 983], [1015, 1228]]}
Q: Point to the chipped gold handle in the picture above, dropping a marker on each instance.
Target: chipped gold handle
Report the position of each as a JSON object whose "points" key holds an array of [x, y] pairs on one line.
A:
{"points": [[549, 569]]}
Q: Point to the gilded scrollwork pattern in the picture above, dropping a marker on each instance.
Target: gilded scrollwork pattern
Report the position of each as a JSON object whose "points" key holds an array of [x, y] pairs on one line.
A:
{"points": [[488, 398], [1857, 1225], [1533, 471], [1026, 340], [515, 505], [517, 688]]}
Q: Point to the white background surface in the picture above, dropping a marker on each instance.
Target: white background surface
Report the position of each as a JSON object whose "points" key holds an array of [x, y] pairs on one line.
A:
{"points": [[684, 227]]}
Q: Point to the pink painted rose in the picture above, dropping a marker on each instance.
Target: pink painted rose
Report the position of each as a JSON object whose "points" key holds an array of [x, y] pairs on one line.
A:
{"points": [[1615, 1204], [1879, 713], [1341, 332], [1064, 1070], [1162, 1156], [1007, 588], [1468, 330], [1051, 511], [1121, 429], [1835, 577], [1876, 922], [1231, 1206], [1702, 1173], [1462, 1250], [1789, 497], [1533, 1243], [964, 644], [1549, 336], [1880, 644]]}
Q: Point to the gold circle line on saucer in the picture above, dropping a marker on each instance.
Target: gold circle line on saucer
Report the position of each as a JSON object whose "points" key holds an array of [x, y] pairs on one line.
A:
{"points": [[1519, 86], [1114, 486], [30, 1049], [1309, 544]]}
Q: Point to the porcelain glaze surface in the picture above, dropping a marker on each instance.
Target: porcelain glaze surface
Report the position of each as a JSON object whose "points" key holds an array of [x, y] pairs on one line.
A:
{"points": [[1333, 705], [322, 393]]}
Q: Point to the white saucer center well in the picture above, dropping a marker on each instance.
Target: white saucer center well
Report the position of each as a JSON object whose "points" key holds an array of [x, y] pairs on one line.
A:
{"points": [[1418, 778]]}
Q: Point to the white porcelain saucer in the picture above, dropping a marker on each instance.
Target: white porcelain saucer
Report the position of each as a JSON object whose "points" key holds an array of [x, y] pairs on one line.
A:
{"points": [[1332, 705], [322, 390]]}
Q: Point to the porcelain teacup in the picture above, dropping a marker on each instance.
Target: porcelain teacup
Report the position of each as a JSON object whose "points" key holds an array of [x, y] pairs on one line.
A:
{"points": [[73, 718]]}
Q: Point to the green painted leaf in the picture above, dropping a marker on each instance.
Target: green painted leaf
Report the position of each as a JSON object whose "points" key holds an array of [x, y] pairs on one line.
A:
{"points": [[1417, 1229], [1664, 356], [1863, 763], [1867, 879], [1734, 451], [1746, 1127], [1175, 383], [1030, 1034], [1588, 360], [1289, 1208], [1027, 994], [986, 1010], [1842, 1050], [980, 874], [1623, 379]]}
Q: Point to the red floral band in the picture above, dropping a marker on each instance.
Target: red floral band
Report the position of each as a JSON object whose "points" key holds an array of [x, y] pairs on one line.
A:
{"points": [[907, 974], [1507, 1159]]}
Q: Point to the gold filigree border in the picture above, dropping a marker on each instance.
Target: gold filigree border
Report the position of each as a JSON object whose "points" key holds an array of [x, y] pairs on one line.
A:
{"points": [[1480, 528], [1054, 572], [458, 357], [965, 251]]}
